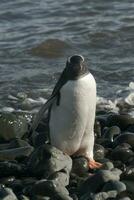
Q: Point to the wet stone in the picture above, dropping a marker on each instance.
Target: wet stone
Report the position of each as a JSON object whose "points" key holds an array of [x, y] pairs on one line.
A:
{"points": [[106, 143], [75, 182], [129, 185], [51, 189], [123, 121], [99, 152], [124, 138], [128, 174], [104, 195], [15, 153], [97, 129], [110, 132], [120, 165], [27, 181], [12, 126], [8, 168], [130, 128], [14, 143], [107, 165], [116, 172], [124, 198], [122, 153], [7, 180], [102, 119], [60, 177], [16, 186], [98, 180], [47, 160], [7, 194], [80, 166], [114, 185]]}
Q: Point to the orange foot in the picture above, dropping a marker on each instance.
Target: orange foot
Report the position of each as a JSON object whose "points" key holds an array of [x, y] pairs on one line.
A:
{"points": [[94, 165]]}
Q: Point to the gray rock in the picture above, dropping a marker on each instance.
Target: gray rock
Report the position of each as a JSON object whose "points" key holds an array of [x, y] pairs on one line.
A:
{"points": [[51, 189], [16, 186], [109, 133], [128, 174], [46, 160], [12, 126], [97, 181], [124, 138], [99, 152], [116, 171], [10, 169], [14, 143], [129, 185], [120, 165], [105, 195], [123, 121], [7, 180], [28, 181], [60, 177], [97, 128], [122, 154], [114, 185], [130, 128], [124, 198], [107, 165], [80, 166], [7, 194], [100, 196], [15, 153], [112, 194]]}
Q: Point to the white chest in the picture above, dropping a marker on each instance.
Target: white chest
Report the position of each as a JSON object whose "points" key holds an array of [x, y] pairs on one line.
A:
{"points": [[69, 120]]}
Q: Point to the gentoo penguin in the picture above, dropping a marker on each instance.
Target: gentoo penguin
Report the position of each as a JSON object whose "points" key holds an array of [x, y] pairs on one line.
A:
{"points": [[72, 107]]}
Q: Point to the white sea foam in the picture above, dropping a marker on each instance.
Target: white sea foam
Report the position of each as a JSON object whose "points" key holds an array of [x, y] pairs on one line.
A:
{"points": [[37, 102], [11, 97], [131, 86], [106, 104], [21, 95], [130, 99], [124, 100], [7, 109]]}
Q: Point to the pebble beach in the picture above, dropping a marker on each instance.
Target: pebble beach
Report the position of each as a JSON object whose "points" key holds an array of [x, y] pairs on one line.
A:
{"points": [[30, 168]]}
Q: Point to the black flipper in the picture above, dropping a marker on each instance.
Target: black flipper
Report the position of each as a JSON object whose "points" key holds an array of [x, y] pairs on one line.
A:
{"points": [[39, 115], [62, 80], [55, 96]]}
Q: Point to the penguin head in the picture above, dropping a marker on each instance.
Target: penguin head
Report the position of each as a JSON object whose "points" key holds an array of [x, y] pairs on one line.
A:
{"points": [[76, 67]]}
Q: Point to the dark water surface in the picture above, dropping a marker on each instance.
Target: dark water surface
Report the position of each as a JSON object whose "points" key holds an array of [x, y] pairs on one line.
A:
{"points": [[102, 31]]}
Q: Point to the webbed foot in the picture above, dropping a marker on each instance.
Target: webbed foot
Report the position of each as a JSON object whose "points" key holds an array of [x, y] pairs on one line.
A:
{"points": [[94, 165]]}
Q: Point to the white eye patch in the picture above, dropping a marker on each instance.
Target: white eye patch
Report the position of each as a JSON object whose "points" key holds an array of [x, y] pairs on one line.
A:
{"points": [[69, 59]]}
